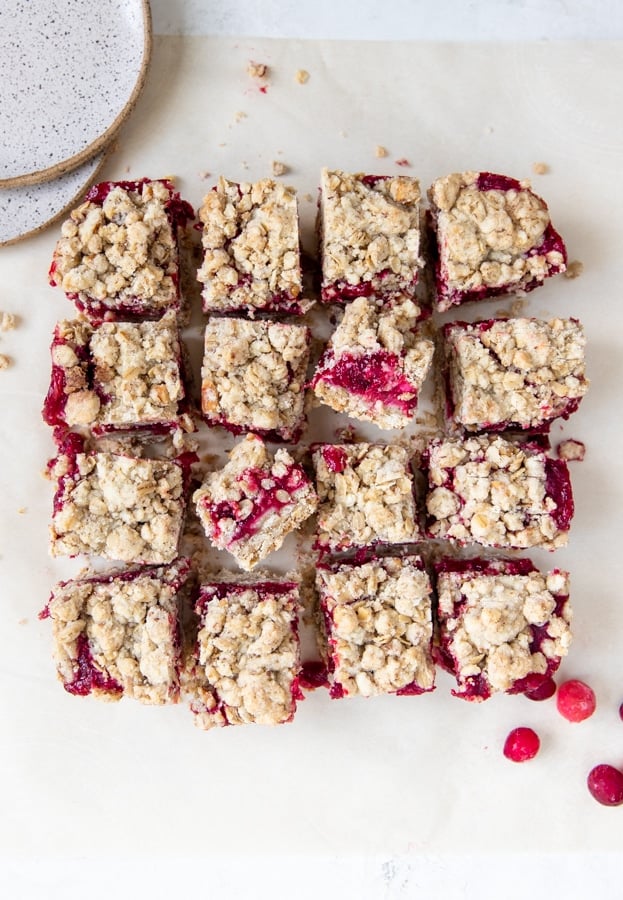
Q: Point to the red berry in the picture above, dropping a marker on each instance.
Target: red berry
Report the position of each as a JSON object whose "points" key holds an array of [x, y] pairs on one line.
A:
{"points": [[606, 785], [521, 744], [621, 712], [540, 689], [575, 700]]}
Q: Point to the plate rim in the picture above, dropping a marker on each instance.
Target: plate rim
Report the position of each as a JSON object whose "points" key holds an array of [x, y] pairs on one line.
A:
{"points": [[64, 166]]}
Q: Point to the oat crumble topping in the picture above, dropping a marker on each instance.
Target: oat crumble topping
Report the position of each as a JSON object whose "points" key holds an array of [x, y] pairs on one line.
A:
{"points": [[370, 231], [251, 246], [523, 372], [493, 492], [488, 622], [247, 657], [253, 375], [366, 495], [385, 334], [118, 507], [131, 631], [379, 626], [254, 502]]}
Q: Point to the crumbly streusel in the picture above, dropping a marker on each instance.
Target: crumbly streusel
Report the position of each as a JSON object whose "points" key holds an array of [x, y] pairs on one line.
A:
{"points": [[253, 375], [247, 658], [366, 495], [370, 232], [522, 372], [490, 491], [384, 335], [119, 507], [130, 625], [378, 624], [251, 247]]}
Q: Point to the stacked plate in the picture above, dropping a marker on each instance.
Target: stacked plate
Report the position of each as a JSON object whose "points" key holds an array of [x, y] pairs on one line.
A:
{"points": [[70, 74]]}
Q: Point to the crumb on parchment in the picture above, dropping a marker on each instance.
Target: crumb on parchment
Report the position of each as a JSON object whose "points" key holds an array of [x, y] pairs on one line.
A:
{"points": [[571, 450], [403, 161], [574, 269], [257, 69], [380, 152], [278, 167], [302, 76], [7, 321], [540, 168], [5, 362]]}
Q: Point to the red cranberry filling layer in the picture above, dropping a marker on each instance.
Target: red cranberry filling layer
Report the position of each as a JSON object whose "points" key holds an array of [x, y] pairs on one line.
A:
{"points": [[488, 181], [313, 675], [558, 487], [377, 377], [87, 677], [335, 458], [339, 291], [220, 589]]}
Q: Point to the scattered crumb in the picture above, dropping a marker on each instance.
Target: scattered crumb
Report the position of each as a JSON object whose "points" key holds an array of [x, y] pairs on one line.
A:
{"points": [[403, 162], [574, 269], [278, 167], [380, 152], [571, 450], [347, 434], [22, 510], [343, 134], [540, 168], [223, 144], [244, 164], [518, 306], [204, 175], [7, 321], [257, 70], [488, 129], [240, 115], [127, 169], [5, 362], [302, 76], [308, 198], [22, 621]]}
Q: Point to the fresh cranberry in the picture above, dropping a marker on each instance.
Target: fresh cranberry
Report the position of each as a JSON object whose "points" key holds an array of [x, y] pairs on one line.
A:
{"points": [[621, 712], [543, 689], [575, 700], [521, 744], [606, 785]]}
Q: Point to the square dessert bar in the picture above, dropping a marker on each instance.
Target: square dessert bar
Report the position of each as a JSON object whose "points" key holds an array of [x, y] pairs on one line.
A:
{"points": [[378, 626], [514, 373], [251, 250], [503, 625], [115, 506], [117, 376], [366, 496], [374, 365], [254, 502], [490, 491], [253, 376], [246, 663], [118, 634], [369, 235], [118, 255], [493, 236]]}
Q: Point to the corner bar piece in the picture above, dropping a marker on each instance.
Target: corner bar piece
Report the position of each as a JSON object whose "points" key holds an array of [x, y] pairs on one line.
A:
{"points": [[514, 373], [252, 504], [250, 239], [378, 626], [246, 663], [118, 634], [503, 625], [494, 236], [374, 365], [490, 491], [118, 255], [369, 235]]}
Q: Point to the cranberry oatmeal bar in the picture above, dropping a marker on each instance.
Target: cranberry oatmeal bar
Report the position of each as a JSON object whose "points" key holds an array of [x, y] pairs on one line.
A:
{"points": [[245, 666], [374, 365], [118, 634], [117, 376], [250, 240], [116, 506], [493, 236], [253, 376], [366, 496], [369, 229], [503, 625], [490, 491], [514, 373], [254, 502], [118, 255], [377, 623]]}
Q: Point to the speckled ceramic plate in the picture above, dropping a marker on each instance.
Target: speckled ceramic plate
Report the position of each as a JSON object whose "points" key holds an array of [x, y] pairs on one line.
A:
{"points": [[70, 72], [30, 208]]}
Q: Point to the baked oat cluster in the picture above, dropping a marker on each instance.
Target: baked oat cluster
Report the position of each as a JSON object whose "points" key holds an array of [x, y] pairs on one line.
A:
{"points": [[118, 252], [253, 376], [117, 376], [244, 669], [386, 614], [369, 234], [377, 626], [250, 241], [498, 493], [374, 365], [493, 235]]}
